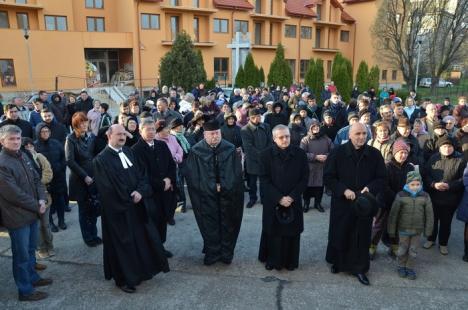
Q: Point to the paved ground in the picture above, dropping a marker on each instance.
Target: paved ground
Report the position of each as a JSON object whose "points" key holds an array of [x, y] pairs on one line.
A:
{"points": [[79, 284]]}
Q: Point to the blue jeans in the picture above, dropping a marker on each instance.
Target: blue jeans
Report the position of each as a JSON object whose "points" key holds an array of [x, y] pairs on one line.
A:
{"points": [[23, 248]]}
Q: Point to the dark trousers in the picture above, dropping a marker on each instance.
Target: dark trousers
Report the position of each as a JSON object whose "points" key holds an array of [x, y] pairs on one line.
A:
{"points": [[252, 183], [57, 206], [443, 216], [315, 192], [88, 220], [23, 249], [180, 185], [379, 228]]}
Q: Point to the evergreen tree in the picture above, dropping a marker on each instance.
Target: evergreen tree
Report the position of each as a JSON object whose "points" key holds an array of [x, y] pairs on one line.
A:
{"points": [[182, 65], [362, 77], [310, 73], [374, 77], [251, 73], [319, 79], [240, 77], [342, 82], [280, 73], [337, 61], [261, 75]]}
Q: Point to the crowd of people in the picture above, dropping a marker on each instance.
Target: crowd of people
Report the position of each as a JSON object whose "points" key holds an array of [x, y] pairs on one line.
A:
{"points": [[395, 169]]}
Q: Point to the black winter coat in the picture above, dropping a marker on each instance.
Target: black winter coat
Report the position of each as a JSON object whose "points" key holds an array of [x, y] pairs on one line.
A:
{"points": [[297, 133], [58, 131], [84, 106], [79, 154], [232, 134], [59, 109], [274, 119], [55, 154], [396, 179], [448, 169], [286, 174], [255, 139], [25, 126]]}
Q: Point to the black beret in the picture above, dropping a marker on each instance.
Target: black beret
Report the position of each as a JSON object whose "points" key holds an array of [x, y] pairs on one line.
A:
{"points": [[211, 125]]}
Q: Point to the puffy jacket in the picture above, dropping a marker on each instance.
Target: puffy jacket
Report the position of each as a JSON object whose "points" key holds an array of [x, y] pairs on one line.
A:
{"points": [[20, 190], [411, 214]]}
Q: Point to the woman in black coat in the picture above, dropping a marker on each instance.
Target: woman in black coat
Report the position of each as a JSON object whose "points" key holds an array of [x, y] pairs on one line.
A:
{"points": [[230, 131], [54, 152], [296, 129], [132, 127], [443, 179], [79, 154]]}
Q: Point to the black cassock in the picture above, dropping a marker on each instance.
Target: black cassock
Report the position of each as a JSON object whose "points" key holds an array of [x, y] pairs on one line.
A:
{"points": [[349, 236], [286, 174], [158, 164], [133, 251], [218, 214]]}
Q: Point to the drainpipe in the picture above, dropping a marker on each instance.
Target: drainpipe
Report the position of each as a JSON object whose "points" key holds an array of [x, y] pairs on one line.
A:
{"points": [[298, 72], [354, 43], [139, 46]]}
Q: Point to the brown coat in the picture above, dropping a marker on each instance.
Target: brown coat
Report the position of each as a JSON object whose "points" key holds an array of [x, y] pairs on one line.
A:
{"points": [[47, 174], [316, 145]]}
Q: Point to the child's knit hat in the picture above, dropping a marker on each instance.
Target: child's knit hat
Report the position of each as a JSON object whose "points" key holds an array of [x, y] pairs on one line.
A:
{"points": [[413, 176]]}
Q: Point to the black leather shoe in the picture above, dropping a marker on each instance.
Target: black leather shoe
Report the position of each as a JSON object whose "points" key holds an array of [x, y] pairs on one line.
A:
{"points": [[67, 209], [250, 204], [208, 262], [334, 269], [168, 254], [171, 222], [62, 225], [53, 228], [226, 261], [319, 208], [268, 267], [97, 240], [362, 278], [91, 243], [128, 289]]}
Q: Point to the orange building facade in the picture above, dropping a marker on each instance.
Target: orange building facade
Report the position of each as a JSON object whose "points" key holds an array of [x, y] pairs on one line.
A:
{"points": [[72, 44]]}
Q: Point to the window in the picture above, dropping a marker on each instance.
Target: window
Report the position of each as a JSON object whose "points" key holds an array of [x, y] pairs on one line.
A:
{"points": [[258, 33], [384, 75], [94, 4], [196, 29], [21, 1], [303, 68], [258, 6], [7, 72], [394, 75], [306, 32], [290, 31], [221, 25], [329, 68], [318, 32], [292, 66], [344, 36], [56, 23], [241, 26], [95, 24], [221, 70], [196, 3], [149, 21], [174, 26], [319, 11], [23, 20], [174, 2], [4, 23]]}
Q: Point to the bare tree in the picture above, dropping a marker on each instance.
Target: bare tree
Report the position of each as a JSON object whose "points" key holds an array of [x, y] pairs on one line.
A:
{"points": [[445, 42], [441, 26]]}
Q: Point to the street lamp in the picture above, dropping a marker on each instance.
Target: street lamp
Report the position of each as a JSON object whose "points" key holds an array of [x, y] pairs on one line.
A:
{"points": [[26, 37], [417, 66]]}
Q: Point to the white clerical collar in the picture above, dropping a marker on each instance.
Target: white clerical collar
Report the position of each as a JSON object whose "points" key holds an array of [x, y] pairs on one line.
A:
{"points": [[151, 144], [126, 163]]}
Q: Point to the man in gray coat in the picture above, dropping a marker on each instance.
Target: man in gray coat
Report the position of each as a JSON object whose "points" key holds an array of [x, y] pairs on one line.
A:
{"points": [[22, 200], [256, 137]]}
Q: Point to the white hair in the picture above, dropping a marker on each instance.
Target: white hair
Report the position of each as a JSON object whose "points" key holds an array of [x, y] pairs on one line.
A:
{"points": [[9, 130], [280, 127]]}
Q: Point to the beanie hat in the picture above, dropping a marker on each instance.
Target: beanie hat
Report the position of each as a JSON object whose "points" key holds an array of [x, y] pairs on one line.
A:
{"points": [[400, 145], [439, 125], [445, 140], [413, 176], [211, 125]]}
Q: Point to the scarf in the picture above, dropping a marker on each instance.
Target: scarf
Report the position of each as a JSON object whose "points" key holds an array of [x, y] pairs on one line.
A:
{"points": [[413, 194], [183, 141], [383, 140]]}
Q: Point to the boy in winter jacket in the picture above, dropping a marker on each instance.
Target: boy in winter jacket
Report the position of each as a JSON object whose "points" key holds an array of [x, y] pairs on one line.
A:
{"points": [[411, 215]]}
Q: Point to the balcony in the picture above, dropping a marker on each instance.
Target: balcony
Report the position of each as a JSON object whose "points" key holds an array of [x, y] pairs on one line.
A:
{"points": [[14, 5], [199, 44], [328, 23], [187, 9], [278, 18], [264, 47], [325, 50]]}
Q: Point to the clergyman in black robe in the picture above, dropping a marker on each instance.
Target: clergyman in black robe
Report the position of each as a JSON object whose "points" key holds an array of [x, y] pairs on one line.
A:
{"points": [[215, 186], [133, 251], [156, 159], [350, 170], [285, 179]]}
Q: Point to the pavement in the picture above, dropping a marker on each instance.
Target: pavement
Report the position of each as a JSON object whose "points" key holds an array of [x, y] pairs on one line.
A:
{"points": [[79, 283]]}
